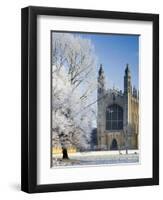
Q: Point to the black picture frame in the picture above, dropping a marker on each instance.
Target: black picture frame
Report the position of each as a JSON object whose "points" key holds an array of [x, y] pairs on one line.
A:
{"points": [[29, 99]]}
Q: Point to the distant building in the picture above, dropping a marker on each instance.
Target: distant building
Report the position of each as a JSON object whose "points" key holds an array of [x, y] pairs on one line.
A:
{"points": [[118, 115]]}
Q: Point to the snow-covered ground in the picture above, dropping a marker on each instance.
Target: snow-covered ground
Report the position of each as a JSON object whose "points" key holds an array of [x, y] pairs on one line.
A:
{"points": [[97, 158]]}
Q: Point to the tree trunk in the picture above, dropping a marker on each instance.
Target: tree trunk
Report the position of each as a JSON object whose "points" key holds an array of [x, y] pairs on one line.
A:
{"points": [[65, 153]]}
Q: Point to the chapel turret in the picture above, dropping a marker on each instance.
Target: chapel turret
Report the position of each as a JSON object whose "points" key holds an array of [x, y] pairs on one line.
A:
{"points": [[101, 80], [135, 94], [127, 80]]}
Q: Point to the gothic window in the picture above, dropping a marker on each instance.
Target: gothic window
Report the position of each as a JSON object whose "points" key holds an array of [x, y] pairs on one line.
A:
{"points": [[114, 117]]}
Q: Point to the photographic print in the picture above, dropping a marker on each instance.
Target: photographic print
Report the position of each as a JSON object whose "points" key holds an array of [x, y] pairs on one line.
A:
{"points": [[90, 99], [94, 99]]}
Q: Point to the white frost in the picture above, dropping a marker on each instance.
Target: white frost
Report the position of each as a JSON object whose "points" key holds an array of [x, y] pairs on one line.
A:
{"points": [[73, 87]]}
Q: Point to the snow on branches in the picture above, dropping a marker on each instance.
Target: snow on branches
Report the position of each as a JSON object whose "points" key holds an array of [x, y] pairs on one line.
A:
{"points": [[73, 88]]}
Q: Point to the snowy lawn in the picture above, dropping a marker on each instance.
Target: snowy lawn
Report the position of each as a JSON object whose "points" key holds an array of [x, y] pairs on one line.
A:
{"points": [[97, 158]]}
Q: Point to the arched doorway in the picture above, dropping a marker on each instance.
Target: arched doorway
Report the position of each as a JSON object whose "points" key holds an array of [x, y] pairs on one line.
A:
{"points": [[114, 145]]}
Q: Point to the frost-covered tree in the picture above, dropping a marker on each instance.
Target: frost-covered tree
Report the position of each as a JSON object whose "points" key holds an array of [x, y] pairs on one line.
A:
{"points": [[73, 87]]}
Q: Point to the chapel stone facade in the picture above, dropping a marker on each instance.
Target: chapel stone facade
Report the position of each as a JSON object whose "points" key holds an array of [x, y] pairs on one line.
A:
{"points": [[118, 115]]}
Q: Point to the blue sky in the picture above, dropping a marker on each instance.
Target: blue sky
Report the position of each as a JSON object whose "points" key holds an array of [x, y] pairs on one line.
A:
{"points": [[114, 51]]}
